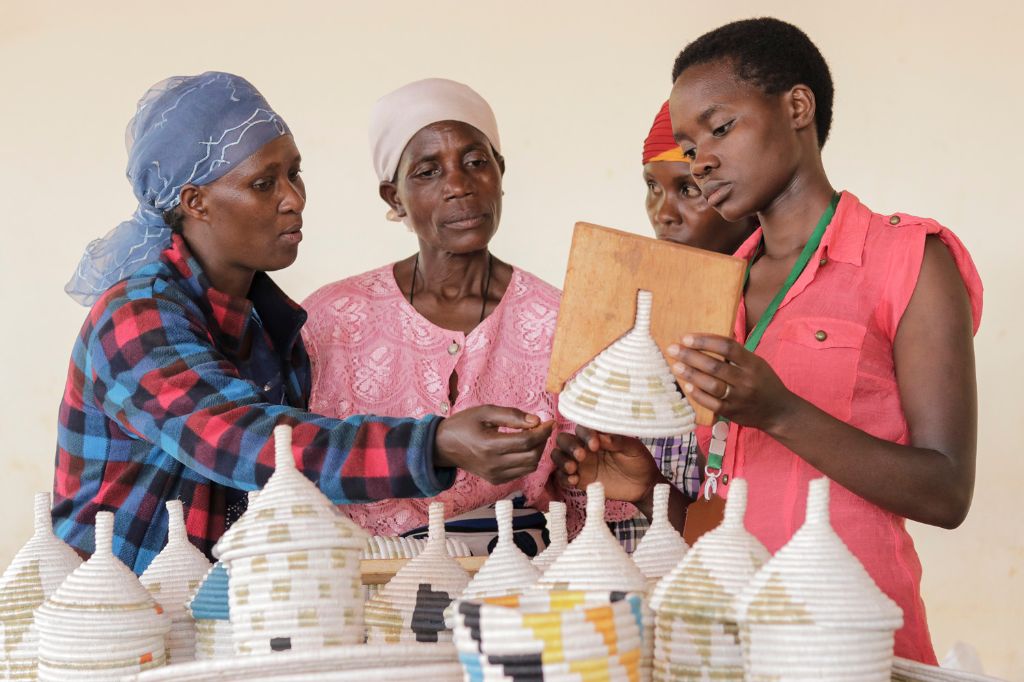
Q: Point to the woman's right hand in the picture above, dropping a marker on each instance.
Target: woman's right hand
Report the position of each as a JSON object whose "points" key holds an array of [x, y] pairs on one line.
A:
{"points": [[623, 465], [471, 440]]}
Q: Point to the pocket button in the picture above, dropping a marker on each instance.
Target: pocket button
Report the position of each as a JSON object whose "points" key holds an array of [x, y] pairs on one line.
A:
{"points": [[820, 335]]}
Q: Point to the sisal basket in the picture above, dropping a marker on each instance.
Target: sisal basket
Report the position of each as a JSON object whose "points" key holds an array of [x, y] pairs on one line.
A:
{"points": [[410, 608], [34, 574], [101, 623], [628, 388], [559, 538], [293, 566], [695, 633], [813, 612]]}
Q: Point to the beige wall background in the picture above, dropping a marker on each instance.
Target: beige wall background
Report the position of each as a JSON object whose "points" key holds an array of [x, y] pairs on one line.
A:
{"points": [[928, 114]]}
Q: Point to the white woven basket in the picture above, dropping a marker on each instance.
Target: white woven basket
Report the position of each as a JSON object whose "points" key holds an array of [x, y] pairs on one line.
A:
{"points": [[695, 634], [34, 574], [594, 560], [628, 388], [904, 670], [208, 607], [813, 612], [507, 570], [293, 563], [171, 578], [557, 535], [410, 607], [101, 623], [662, 547]]}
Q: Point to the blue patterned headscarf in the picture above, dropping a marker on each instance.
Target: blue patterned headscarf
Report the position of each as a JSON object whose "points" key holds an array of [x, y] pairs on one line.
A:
{"points": [[186, 130]]}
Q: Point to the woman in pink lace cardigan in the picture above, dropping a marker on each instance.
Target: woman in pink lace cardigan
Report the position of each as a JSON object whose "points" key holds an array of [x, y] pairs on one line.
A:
{"points": [[450, 327]]}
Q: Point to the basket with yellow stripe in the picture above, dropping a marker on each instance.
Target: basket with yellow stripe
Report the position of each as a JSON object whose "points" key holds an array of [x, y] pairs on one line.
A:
{"points": [[551, 635]]}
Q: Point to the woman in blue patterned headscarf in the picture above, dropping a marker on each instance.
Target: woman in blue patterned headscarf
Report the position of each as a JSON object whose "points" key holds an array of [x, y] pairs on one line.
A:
{"points": [[191, 354]]}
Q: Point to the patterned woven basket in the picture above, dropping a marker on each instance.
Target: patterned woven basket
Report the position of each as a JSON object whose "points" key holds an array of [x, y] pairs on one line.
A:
{"points": [[293, 566], [553, 635], [813, 612], [419, 662], [594, 560], [171, 578], [34, 574], [559, 538], [410, 607], [695, 634], [628, 388], [101, 623], [904, 670], [209, 609]]}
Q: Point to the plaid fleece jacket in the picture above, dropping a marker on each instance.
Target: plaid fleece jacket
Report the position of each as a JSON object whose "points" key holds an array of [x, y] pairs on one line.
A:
{"points": [[154, 409]]}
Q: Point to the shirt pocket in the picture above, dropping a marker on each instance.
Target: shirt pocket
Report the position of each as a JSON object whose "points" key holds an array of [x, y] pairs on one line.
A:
{"points": [[818, 359]]}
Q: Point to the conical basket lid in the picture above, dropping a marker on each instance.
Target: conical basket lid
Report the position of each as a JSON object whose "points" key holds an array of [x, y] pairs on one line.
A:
{"points": [[628, 388], [815, 580], [507, 570], [718, 566], [35, 573], [421, 590], [594, 560], [662, 547], [102, 597], [290, 514], [176, 571], [559, 538], [210, 601]]}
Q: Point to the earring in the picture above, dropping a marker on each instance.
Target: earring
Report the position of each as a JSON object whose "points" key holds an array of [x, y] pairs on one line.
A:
{"points": [[392, 216]]}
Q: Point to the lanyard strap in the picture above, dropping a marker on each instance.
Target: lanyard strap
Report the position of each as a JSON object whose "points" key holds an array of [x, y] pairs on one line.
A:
{"points": [[716, 453]]}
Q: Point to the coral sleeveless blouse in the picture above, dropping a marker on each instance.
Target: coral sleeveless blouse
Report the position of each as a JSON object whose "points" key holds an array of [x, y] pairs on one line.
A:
{"points": [[831, 343]]}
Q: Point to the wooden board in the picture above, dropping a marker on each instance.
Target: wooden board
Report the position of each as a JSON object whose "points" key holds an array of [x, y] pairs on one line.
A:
{"points": [[380, 571], [694, 291]]}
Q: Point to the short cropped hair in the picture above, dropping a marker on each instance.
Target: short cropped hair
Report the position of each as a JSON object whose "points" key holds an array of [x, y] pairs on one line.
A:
{"points": [[772, 55]]}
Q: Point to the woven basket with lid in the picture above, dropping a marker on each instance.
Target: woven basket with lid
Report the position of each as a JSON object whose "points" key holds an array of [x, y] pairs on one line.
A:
{"points": [[34, 574], [559, 538], [695, 634], [101, 623], [628, 388], [813, 612], [410, 608], [293, 566], [171, 578]]}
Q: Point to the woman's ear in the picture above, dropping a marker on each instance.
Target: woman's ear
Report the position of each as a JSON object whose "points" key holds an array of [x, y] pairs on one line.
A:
{"points": [[192, 203], [389, 193], [802, 107]]}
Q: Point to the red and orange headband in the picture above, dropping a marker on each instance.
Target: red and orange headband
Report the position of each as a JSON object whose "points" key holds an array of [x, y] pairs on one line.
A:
{"points": [[660, 145]]}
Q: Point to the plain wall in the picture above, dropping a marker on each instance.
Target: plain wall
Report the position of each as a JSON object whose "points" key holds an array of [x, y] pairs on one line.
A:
{"points": [[928, 115]]}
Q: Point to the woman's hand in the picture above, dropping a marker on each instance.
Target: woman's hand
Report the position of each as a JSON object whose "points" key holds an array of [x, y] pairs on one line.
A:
{"points": [[623, 465], [742, 386], [471, 440]]}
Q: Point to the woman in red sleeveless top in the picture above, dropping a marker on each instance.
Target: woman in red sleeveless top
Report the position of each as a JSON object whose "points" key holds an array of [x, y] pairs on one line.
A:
{"points": [[852, 354]]}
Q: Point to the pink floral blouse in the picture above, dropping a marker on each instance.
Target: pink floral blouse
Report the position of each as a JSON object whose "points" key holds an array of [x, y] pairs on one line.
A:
{"points": [[373, 353]]}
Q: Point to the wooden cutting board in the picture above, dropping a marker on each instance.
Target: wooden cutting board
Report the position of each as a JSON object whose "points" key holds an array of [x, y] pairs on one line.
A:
{"points": [[693, 291]]}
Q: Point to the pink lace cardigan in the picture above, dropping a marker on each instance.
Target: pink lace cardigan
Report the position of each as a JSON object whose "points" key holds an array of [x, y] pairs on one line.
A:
{"points": [[372, 353]]}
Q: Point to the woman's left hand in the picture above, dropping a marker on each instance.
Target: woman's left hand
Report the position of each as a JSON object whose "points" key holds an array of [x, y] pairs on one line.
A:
{"points": [[742, 386]]}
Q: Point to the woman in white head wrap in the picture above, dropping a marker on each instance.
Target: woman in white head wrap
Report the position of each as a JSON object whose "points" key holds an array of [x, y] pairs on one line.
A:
{"points": [[451, 326]]}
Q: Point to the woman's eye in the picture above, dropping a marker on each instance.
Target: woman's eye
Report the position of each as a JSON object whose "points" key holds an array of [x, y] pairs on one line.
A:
{"points": [[690, 191], [690, 153], [263, 184], [651, 186], [295, 173], [427, 173], [723, 129], [476, 161]]}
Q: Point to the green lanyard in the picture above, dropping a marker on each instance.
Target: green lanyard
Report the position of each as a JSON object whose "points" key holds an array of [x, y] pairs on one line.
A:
{"points": [[719, 432]]}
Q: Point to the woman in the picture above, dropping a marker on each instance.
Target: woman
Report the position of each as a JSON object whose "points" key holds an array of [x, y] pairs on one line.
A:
{"points": [[449, 327], [839, 303], [191, 355]]}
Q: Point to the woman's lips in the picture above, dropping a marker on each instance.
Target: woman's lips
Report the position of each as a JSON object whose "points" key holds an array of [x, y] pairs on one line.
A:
{"points": [[717, 193], [466, 222], [292, 236]]}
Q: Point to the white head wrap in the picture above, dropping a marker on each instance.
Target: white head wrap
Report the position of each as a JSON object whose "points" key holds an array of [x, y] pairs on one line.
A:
{"points": [[399, 115]]}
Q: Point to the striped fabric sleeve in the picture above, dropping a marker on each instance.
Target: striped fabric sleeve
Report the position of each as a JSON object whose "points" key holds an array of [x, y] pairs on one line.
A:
{"points": [[159, 375]]}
